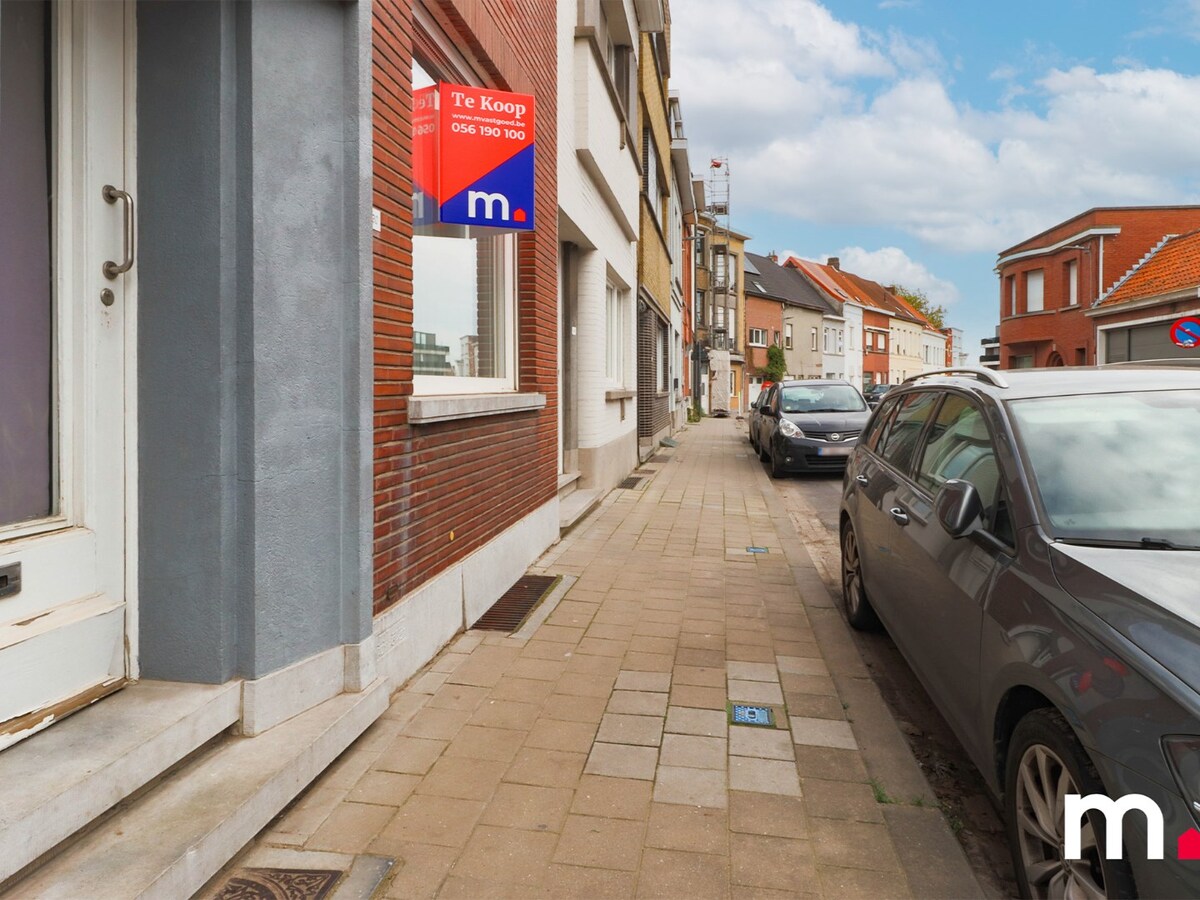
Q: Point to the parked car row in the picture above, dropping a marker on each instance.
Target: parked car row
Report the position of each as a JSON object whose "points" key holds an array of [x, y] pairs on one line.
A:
{"points": [[1031, 542], [807, 426]]}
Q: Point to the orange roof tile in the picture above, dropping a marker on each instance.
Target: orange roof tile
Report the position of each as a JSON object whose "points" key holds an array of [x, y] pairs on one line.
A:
{"points": [[1174, 266]]}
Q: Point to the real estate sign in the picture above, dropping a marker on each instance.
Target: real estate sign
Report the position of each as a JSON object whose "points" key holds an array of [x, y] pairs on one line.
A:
{"points": [[473, 157]]}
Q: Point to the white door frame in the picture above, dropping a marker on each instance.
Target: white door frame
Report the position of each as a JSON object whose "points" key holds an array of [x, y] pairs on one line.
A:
{"points": [[79, 565]]}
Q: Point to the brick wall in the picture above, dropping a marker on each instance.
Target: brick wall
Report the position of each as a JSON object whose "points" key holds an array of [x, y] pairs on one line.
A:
{"points": [[876, 362], [444, 490], [767, 315], [1061, 333]]}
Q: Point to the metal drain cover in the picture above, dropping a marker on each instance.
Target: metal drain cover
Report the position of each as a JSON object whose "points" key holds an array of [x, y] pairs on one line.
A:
{"points": [[630, 483], [752, 715], [278, 884], [507, 613]]}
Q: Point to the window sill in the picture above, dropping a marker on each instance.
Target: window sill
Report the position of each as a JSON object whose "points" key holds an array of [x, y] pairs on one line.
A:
{"points": [[426, 410], [620, 395]]}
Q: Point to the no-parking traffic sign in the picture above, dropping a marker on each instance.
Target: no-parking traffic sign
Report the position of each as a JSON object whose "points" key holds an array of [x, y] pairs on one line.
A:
{"points": [[1186, 333]]}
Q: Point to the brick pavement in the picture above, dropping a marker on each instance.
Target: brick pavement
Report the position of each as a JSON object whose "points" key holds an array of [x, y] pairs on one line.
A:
{"points": [[593, 757]]}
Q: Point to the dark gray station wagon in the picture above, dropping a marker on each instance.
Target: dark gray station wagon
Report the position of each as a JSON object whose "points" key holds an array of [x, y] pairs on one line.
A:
{"points": [[1031, 541]]}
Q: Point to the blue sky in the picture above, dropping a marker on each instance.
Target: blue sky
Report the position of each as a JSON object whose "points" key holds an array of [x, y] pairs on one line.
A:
{"points": [[916, 139]]}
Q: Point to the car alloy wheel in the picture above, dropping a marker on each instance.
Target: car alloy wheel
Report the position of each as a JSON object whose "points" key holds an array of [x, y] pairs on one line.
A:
{"points": [[859, 612], [1047, 763]]}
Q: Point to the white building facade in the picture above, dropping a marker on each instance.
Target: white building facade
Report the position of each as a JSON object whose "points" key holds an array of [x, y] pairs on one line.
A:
{"points": [[933, 350], [598, 201]]}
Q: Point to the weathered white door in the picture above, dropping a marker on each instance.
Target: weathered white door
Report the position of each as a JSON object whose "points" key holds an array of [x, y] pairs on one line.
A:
{"points": [[67, 295]]}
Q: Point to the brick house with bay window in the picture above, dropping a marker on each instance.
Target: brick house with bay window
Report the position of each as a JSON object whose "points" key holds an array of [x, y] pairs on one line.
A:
{"points": [[1050, 281]]}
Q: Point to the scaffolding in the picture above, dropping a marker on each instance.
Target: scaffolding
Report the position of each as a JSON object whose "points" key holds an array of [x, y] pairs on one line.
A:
{"points": [[722, 275]]}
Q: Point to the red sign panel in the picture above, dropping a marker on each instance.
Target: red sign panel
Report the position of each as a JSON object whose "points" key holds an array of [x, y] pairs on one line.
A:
{"points": [[473, 157]]}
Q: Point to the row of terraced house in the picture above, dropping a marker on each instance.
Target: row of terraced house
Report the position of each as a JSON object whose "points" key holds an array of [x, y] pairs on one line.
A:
{"points": [[829, 323], [303, 374]]}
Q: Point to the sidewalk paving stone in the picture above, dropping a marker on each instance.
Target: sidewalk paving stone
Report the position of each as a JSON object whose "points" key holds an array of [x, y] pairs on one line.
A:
{"points": [[613, 797], [693, 751], [765, 776], [622, 761], [823, 733], [693, 787], [593, 757], [618, 728]]}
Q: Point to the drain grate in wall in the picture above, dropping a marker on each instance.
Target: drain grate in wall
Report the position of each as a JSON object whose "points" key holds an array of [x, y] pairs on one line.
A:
{"points": [[630, 483], [518, 602], [278, 884]]}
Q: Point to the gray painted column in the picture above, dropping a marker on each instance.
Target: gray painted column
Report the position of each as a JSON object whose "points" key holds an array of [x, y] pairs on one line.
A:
{"points": [[255, 359]]}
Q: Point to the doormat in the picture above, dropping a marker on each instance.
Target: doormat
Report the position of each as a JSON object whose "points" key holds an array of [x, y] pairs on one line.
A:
{"points": [[507, 613], [278, 884]]}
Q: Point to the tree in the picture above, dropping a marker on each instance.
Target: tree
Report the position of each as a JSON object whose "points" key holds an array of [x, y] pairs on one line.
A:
{"points": [[934, 313], [776, 366]]}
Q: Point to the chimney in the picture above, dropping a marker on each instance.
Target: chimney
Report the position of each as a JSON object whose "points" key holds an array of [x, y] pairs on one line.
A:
{"points": [[773, 257], [834, 263]]}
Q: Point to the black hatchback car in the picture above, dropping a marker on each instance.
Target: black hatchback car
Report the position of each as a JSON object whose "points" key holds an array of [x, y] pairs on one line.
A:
{"points": [[808, 426], [1031, 541]]}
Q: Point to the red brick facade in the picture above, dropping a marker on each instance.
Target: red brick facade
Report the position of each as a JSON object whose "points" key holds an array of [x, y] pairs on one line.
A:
{"points": [[876, 362], [766, 315], [444, 490], [1061, 333]]}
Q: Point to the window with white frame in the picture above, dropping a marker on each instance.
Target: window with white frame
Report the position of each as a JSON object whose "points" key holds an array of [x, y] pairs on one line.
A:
{"points": [[614, 363], [814, 339], [787, 336], [650, 178], [664, 357], [758, 337], [841, 348], [1034, 301], [464, 294], [1072, 280]]}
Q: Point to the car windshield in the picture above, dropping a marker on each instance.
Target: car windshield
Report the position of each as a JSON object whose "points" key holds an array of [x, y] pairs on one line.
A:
{"points": [[821, 398], [1116, 467]]}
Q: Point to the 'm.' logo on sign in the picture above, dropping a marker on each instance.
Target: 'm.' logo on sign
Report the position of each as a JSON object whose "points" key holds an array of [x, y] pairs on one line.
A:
{"points": [[474, 157]]}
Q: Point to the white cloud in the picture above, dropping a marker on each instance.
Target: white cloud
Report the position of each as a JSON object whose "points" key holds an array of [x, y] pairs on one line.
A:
{"points": [[831, 123], [891, 265]]}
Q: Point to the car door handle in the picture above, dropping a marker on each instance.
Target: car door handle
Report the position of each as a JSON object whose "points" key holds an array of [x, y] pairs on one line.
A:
{"points": [[862, 479], [899, 515]]}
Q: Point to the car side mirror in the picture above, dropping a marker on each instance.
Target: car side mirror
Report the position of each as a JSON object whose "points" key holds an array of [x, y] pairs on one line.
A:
{"points": [[958, 507]]}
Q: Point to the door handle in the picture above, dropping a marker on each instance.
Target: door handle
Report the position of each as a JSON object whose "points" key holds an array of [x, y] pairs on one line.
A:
{"points": [[899, 515], [862, 479], [112, 195]]}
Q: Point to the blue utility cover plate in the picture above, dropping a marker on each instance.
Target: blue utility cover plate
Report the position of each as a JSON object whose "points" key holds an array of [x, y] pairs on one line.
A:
{"points": [[757, 550], [753, 715]]}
